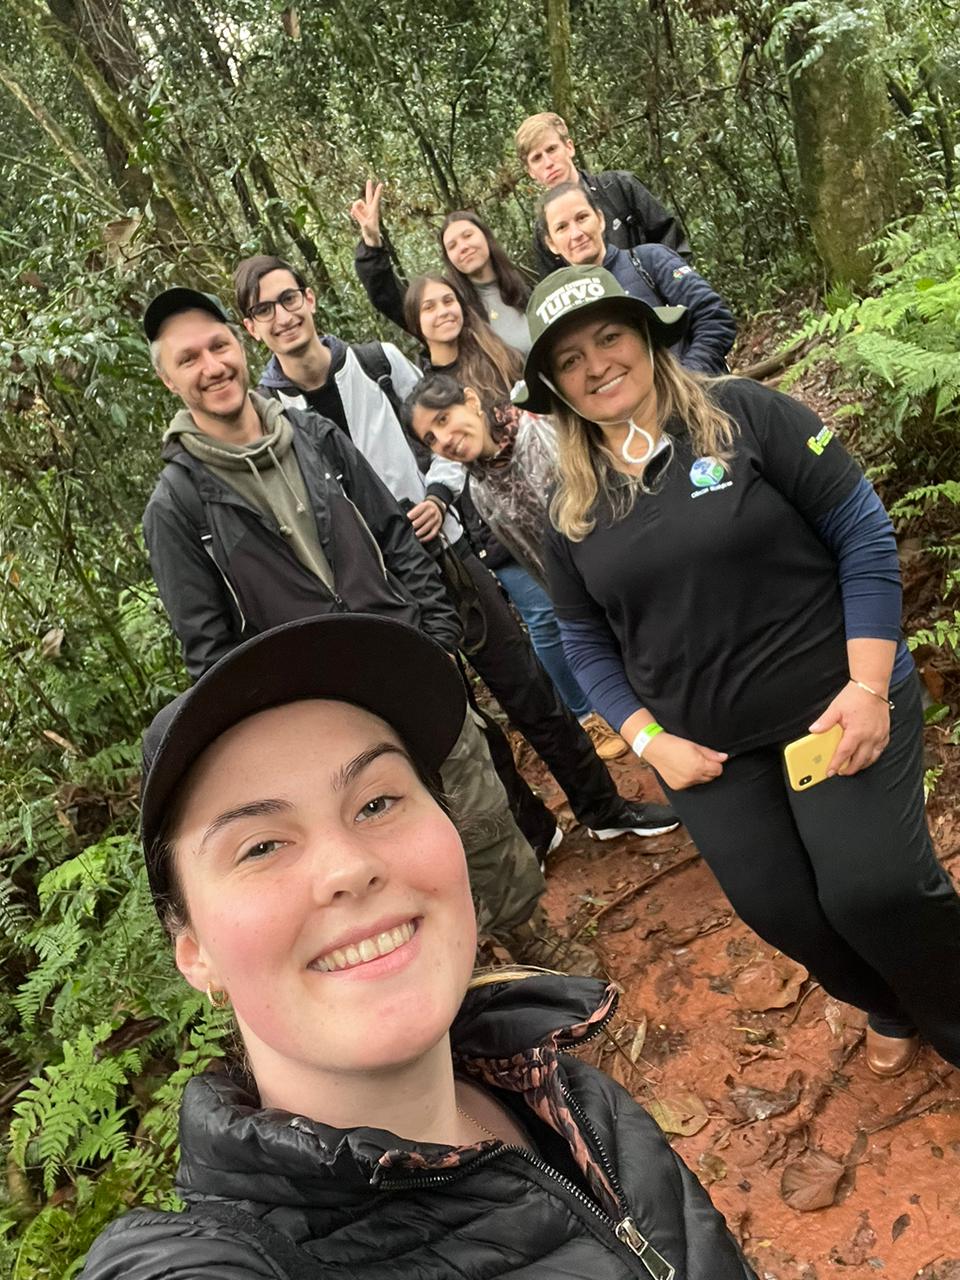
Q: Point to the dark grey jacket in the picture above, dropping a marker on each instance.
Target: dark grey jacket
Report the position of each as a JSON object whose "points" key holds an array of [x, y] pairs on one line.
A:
{"points": [[605, 1198], [633, 216], [225, 573]]}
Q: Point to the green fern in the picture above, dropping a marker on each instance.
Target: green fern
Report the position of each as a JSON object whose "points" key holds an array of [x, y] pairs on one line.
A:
{"points": [[66, 1114], [15, 918]]}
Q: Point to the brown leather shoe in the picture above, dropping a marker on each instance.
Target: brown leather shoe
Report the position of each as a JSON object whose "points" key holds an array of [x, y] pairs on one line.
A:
{"points": [[606, 742], [890, 1055]]}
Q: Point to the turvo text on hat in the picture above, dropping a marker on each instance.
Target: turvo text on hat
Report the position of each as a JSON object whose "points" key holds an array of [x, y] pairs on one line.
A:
{"points": [[574, 291]]}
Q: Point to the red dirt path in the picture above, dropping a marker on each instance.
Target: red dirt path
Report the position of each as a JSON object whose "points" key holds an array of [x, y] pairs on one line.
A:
{"points": [[680, 954]]}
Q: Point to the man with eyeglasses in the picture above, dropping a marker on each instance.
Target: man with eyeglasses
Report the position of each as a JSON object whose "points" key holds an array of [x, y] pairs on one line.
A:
{"points": [[319, 372], [263, 514]]}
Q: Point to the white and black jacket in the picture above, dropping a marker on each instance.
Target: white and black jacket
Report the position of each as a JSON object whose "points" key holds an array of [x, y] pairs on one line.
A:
{"points": [[375, 430]]}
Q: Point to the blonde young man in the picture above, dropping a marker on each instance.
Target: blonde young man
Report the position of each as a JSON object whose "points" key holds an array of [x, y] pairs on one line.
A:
{"points": [[633, 215]]}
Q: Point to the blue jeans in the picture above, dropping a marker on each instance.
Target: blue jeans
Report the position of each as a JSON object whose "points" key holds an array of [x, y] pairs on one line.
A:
{"points": [[536, 610]]}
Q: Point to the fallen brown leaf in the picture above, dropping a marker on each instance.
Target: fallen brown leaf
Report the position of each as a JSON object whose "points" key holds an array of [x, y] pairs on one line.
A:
{"points": [[712, 1168], [640, 1035], [683, 1113], [899, 1226], [769, 983], [811, 1181], [753, 1103]]}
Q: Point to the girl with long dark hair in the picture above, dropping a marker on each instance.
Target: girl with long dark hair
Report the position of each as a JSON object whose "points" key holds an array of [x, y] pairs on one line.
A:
{"points": [[463, 346], [490, 284]]}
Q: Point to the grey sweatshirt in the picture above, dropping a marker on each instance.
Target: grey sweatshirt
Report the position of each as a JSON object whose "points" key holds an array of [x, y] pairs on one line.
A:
{"points": [[264, 473]]}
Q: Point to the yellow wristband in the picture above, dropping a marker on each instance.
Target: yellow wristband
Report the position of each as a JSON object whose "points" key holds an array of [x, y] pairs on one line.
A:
{"points": [[643, 738]]}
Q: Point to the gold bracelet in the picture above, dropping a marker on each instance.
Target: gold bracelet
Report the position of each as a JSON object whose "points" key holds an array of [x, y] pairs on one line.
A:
{"points": [[866, 689]]}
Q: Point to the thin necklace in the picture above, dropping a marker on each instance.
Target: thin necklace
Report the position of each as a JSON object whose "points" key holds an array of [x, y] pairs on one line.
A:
{"points": [[474, 1121]]}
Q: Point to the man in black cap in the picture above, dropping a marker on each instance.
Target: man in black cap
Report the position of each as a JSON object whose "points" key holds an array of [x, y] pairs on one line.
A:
{"points": [[264, 514]]}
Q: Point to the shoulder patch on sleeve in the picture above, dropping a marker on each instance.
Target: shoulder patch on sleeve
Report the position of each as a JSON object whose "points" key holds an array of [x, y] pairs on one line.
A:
{"points": [[819, 442], [680, 272]]}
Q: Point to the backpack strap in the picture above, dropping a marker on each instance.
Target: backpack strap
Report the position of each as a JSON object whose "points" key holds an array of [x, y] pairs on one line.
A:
{"points": [[292, 1262], [375, 363], [647, 278], [185, 492]]}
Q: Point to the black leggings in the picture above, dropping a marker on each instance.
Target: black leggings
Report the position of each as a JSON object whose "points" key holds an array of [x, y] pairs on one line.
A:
{"points": [[514, 676], [843, 877]]}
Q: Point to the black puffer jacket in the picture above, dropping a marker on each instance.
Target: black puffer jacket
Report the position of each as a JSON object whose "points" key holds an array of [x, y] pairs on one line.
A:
{"points": [[225, 573], [361, 1205], [633, 216]]}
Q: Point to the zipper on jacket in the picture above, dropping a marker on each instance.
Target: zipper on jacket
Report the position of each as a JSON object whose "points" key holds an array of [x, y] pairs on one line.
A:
{"points": [[625, 1231], [207, 541]]}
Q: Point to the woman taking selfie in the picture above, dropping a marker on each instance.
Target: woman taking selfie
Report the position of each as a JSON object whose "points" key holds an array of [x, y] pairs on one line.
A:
{"points": [[389, 1116], [489, 282], [727, 582]]}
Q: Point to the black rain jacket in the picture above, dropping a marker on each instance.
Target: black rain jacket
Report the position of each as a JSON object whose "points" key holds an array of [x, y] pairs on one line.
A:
{"points": [[225, 572], [633, 216], [362, 1204]]}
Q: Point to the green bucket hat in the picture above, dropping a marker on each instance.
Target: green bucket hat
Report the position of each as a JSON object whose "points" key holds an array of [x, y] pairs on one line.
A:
{"points": [[574, 291]]}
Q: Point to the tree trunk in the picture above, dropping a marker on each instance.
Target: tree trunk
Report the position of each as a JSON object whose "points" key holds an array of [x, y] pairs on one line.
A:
{"points": [[101, 26], [850, 172], [172, 205], [58, 135], [558, 43]]}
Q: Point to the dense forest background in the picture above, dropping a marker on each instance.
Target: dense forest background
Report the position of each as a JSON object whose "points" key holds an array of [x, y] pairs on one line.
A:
{"points": [[811, 149]]}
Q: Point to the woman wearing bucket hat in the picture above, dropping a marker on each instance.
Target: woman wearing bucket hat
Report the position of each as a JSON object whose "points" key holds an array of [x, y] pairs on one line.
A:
{"points": [[727, 582], [391, 1115]]}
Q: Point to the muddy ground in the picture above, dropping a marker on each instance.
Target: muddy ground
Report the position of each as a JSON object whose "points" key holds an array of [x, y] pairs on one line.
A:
{"points": [[820, 1168], [761, 1072]]}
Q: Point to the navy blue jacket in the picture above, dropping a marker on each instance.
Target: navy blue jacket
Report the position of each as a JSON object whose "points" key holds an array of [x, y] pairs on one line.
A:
{"points": [[633, 215], [660, 277]]}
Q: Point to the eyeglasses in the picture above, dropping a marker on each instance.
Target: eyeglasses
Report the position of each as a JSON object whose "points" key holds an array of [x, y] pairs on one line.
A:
{"points": [[290, 300]]}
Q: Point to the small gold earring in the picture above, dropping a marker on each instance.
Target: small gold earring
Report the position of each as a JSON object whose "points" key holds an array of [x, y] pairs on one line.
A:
{"points": [[219, 999]]}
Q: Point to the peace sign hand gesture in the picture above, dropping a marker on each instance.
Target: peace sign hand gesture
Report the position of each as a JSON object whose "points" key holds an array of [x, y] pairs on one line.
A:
{"points": [[366, 213]]}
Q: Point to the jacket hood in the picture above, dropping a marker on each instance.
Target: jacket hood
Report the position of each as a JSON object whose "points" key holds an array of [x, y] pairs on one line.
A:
{"points": [[274, 379], [268, 411], [232, 1147]]}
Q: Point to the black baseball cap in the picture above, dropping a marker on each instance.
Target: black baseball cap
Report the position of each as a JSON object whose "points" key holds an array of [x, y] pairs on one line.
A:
{"points": [[384, 666], [179, 298], [573, 291]]}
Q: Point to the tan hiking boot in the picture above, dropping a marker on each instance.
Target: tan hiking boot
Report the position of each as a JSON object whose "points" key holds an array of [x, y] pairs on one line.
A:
{"points": [[606, 743], [538, 943]]}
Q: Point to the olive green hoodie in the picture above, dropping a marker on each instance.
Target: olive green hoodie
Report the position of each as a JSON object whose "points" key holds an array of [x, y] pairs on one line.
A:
{"points": [[264, 473]]}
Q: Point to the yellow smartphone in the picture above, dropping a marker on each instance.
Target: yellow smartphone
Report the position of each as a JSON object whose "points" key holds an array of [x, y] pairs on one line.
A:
{"points": [[807, 758]]}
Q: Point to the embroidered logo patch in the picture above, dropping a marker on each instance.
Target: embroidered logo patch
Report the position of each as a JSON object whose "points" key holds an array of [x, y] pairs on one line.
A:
{"points": [[681, 272], [706, 476], [706, 472], [820, 441]]}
